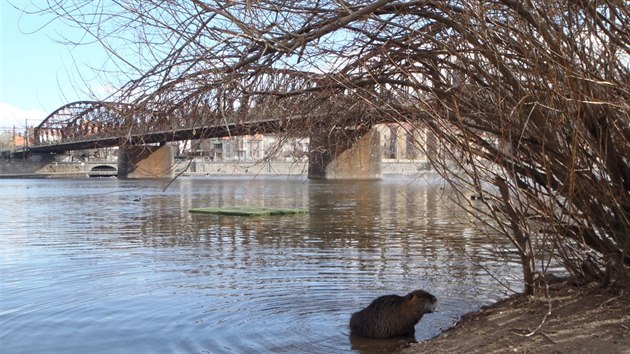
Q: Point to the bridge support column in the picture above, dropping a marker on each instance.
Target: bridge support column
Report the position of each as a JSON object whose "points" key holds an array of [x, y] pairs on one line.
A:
{"points": [[345, 154], [142, 161]]}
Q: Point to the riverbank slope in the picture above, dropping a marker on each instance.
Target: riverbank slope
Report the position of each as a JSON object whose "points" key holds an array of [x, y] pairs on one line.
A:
{"points": [[571, 320]]}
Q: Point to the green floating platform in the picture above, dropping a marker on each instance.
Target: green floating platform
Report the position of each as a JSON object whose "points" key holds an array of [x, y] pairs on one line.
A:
{"points": [[248, 211]]}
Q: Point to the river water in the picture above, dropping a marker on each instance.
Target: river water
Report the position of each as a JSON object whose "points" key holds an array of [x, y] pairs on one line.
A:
{"points": [[121, 266]]}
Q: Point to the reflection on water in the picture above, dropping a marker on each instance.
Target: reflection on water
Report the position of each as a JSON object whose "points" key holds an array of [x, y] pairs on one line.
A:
{"points": [[110, 266]]}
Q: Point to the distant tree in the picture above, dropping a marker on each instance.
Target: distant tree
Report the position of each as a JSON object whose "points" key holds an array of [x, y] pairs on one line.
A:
{"points": [[529, 100], [6, 140]]}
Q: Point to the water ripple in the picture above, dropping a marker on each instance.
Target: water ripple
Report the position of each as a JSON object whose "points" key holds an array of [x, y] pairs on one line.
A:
{"points": [[85, 268]]}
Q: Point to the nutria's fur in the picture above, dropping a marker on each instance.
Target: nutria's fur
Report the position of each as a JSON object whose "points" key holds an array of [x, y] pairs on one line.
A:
{"points": [[392, 315]]}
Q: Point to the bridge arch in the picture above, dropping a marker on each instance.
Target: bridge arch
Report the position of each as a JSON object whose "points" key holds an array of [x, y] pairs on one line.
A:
{"points": [[103, 171], [87, 120], [78, 119]]}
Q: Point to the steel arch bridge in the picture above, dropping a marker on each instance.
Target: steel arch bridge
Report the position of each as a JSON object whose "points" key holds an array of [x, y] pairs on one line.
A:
{"points": [[223, 110], [269, 104], [93, 124], [77, 120]]}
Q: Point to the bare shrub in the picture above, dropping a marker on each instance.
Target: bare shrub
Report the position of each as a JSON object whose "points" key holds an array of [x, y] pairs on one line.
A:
{"points": [[529, 100]]}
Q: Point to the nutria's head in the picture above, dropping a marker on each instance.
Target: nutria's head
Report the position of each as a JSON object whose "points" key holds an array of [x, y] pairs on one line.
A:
{"points": [[422, 301]]}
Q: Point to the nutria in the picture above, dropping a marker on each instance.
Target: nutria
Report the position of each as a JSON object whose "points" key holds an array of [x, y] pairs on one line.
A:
{"points": [[392, 315]]}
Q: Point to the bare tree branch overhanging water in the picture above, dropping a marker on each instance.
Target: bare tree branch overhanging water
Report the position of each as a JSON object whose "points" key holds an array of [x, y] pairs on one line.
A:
{"points": [[526, 103]]}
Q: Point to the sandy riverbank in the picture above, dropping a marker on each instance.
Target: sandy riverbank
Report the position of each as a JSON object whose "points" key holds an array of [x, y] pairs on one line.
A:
{"points": [[571, 320]]}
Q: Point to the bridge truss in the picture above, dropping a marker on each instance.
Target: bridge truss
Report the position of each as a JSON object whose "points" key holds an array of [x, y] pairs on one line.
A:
{"points": [[268, 102]]}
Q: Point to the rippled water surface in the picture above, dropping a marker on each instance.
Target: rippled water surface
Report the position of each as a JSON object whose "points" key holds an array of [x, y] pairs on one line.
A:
{"points": [[121, 266]]}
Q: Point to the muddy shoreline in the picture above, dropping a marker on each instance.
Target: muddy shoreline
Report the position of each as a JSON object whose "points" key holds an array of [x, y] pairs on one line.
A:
{"points": [[588, 319]]}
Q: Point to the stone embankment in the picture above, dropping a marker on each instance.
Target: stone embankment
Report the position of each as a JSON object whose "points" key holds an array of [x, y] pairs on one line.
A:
{"points": [[196, 167], [41, 169], [236, 168]]}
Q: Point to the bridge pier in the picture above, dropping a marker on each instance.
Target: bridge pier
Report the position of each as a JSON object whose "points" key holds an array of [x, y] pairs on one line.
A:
{"points": [[345, 154], [143, 161]]}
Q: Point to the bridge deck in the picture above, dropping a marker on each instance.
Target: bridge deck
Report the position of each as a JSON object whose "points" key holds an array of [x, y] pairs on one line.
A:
{"points": [[152, 137]]}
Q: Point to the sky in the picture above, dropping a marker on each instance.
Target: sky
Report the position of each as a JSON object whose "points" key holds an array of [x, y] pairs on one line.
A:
{"points": [[39, 74]]}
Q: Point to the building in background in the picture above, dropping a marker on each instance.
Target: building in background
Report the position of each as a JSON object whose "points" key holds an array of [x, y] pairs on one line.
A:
{"points": [[399, 142]]}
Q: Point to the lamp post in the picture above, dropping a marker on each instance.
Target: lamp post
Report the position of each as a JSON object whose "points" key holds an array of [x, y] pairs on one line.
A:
{"points": [[26, 135]]}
